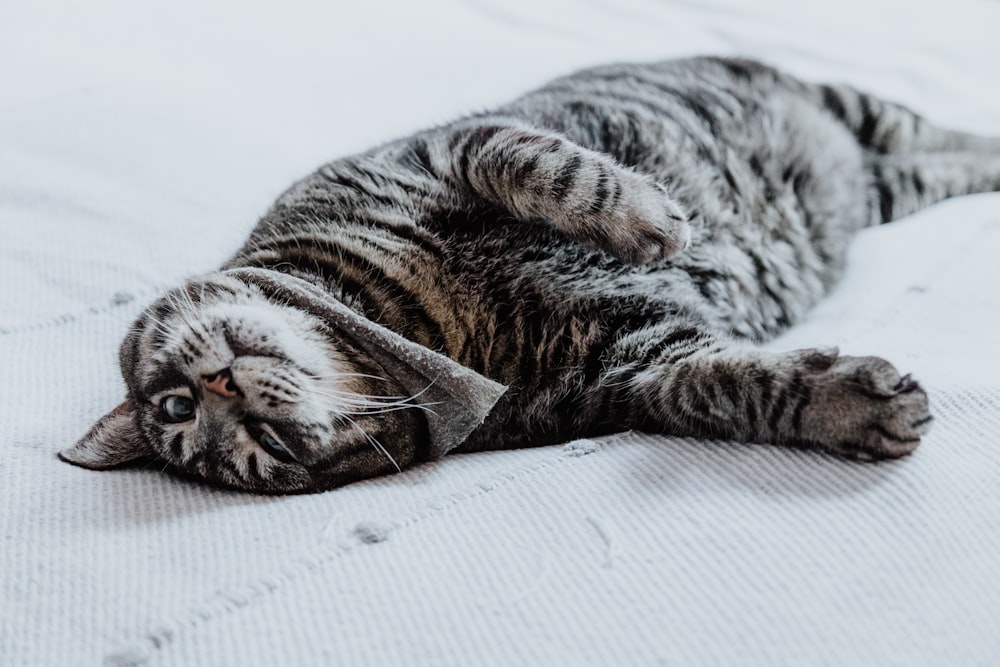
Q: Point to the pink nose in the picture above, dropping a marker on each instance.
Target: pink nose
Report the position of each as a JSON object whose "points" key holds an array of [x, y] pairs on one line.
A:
{"points": [[221, 383]]}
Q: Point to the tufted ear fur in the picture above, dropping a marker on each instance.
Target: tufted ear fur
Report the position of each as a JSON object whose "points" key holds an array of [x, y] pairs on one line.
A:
{"points": [[112, 442]]}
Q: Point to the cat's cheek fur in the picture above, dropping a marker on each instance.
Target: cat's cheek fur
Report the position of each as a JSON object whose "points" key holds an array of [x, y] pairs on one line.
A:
{"points": [[113, 441]]}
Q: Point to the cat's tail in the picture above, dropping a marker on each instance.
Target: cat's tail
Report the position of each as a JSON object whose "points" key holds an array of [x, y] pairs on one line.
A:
{"points": [[911, 163]]}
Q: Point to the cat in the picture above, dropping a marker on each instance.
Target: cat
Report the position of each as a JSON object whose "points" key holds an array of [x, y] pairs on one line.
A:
{"points": [[609, 248]]}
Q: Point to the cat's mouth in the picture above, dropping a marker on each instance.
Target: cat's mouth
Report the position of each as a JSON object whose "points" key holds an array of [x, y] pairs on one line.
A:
{"points": [[253, 343]]}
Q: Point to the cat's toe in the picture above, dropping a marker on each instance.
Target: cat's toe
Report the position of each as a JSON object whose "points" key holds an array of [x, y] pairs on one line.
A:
{"points": [[898, 410], [654, 242], [867, 410], [901, 422], [652, 226]]}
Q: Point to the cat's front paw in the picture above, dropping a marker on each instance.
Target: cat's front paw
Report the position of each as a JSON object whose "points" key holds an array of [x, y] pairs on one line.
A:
{"points": [[863, 408], [646, 225]]}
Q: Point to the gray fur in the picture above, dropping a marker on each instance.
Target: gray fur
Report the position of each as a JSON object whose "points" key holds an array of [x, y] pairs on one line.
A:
{"points": [[610, 247]]}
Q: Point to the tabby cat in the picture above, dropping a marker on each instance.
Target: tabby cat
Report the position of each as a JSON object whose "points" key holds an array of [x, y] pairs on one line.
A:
{"points": [[601, 254]]}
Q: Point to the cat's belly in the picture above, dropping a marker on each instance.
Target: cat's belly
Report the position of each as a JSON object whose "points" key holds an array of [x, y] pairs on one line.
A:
{"points": [[743, 285], [772, 216]]}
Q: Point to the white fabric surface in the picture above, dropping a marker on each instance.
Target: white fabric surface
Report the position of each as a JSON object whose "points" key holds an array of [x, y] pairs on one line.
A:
{"points": [[138, 145]]}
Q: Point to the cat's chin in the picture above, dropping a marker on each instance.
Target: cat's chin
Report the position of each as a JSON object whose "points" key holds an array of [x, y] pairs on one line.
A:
{"points": [[221, 330], [263, 329]]}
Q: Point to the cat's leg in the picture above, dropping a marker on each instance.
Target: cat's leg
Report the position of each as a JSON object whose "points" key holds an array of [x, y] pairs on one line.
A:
{"points": [[687, 382], [903, 184], [910, 162], [588, 196], [889, 128]]}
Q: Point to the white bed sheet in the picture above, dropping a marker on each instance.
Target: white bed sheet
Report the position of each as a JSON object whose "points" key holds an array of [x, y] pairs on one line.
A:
{"points": [[138, 145]]}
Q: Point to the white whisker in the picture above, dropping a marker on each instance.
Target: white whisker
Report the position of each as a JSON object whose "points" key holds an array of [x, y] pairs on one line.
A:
{"points": [[362, 404], [353, 395], [419, 406], [373, 441], [338, 375]]}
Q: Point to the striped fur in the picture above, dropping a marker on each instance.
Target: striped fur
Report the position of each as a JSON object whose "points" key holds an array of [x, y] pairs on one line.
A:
{"points": [[610, 246]]}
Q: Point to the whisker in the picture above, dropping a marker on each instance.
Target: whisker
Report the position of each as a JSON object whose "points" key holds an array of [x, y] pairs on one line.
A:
{"points": [[373, 441], [337, 376], [351, 395], [419, 406], [380, 447], [162, 327], [373, 404], [181, 308]]}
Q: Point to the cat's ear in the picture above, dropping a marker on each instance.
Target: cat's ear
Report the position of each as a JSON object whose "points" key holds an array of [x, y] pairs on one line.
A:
{"points": [[113, 441]]}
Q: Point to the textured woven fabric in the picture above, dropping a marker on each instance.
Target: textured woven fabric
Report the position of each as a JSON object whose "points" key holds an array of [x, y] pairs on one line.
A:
{"points": [[138, 146]]}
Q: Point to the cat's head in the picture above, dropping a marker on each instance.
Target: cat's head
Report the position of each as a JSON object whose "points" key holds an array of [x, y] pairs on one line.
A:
{"points": [[240, 389]]}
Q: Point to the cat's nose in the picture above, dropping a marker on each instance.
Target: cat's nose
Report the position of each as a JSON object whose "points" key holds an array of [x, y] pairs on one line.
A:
{"points": [[221, 383]]}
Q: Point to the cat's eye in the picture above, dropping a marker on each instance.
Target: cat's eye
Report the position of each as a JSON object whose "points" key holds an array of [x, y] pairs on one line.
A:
{"points": [[177, 408], [270, 444]]}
